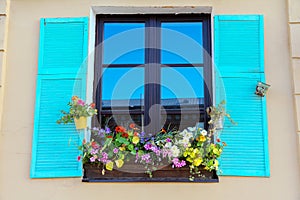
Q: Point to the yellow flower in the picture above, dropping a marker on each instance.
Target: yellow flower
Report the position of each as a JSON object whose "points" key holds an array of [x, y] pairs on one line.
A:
{"points": [[216, 164], [197, 162], [109, 166], [202, 138], [119, 163], [122, 148], [135, 139]]}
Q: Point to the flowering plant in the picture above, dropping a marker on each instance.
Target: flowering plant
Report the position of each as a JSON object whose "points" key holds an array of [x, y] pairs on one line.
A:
{"points": [[78, 108], [193, 147]]}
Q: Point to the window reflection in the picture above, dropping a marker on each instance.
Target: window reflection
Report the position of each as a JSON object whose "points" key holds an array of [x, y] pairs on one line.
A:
{"points": [[124, 43], [123, 88], [181, 42]]}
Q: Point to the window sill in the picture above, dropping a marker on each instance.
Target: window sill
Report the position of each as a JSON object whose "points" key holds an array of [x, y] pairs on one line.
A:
{"points": [[93, 173]]}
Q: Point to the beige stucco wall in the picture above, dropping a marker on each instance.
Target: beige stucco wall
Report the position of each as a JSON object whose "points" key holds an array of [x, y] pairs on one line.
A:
{"points": [[294, 28], [17, 123], [4, 16]]}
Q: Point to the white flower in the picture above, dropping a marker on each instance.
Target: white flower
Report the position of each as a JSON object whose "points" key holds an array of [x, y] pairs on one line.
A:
{"points": [[204, 132], [183, 133], [189, 135], [186, 133], [175, 151], [185, 140], [168, 145]]}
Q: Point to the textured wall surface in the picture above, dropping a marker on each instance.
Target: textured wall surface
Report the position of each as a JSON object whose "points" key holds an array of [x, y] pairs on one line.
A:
{"points": [[294, 28], [17, 123], [4, 8]]}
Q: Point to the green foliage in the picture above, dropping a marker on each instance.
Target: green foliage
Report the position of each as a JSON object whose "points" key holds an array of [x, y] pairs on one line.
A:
{"points": [[78, 108], [193, 147]]}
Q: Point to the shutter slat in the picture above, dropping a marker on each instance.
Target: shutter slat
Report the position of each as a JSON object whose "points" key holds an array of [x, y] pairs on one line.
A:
{"points": [[61, 75], [239, 66]]}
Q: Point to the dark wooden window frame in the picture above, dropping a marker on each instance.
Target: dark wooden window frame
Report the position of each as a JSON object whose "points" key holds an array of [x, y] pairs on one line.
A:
{"points": [[152, 66]]}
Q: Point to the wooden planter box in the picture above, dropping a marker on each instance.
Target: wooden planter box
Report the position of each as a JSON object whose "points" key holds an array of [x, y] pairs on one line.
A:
{"points": [[136, 173]]}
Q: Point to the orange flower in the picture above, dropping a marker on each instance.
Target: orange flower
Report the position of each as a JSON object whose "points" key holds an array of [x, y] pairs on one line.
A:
{"points": [[163, 130], [132, 125], [74, 98], [109, 136], [94, 145], [135, 134], [125, 135], [120, 129], [92, 105]]}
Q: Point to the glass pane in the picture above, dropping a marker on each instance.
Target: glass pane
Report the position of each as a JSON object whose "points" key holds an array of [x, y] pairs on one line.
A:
{"points": [[181, 42], [182, 83], [124, 43], [123, 88], [181, 121], [125, 120], [182, 97]]}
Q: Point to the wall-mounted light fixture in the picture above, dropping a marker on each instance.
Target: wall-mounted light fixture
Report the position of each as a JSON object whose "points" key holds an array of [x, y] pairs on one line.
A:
{"points": [[261, 88]]}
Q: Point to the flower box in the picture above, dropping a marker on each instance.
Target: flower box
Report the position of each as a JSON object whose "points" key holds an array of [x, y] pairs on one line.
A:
{"points": [[132, 172]]}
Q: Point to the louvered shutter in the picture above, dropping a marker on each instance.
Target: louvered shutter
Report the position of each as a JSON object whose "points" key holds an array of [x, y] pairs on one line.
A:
{"points": [[61, 74], [239, 65]]}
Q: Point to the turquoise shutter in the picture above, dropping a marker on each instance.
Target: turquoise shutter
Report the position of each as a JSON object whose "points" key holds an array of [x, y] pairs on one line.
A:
{"points": [[61, 74], [239, 64]]}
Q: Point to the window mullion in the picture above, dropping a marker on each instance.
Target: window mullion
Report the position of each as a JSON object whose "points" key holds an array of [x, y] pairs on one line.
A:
{"points": [[152, 77]]}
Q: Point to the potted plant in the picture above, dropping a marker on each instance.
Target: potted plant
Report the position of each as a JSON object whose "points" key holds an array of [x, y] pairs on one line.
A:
{"points": [[78, 113], [129, 151]]}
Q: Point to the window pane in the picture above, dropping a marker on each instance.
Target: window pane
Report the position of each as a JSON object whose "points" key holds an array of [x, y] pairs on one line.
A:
{"points": [[181, 121], [182, 83], [124, 43], [125, 120], [182, 97], [181, 42], [122, 88]]}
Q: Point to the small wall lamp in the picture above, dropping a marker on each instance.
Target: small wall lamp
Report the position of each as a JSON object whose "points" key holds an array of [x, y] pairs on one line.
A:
{"points": [[261, 89]]}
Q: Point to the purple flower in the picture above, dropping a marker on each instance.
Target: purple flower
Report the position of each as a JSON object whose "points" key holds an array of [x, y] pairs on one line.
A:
{"points": [[104, 158], [95, 129], [156, 150], [107, 130], [116, 150], [101, 131], [148, 146], [92, 159], [136, 157], [177, 163], [168, 140], [146, 158], [94, 151], [166, 152], [142, 134]]}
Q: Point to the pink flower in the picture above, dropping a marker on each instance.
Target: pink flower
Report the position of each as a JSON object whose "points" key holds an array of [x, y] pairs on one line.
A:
{"points": [[177, 163], [80, 102], [115, 150], [78, 158], [92, 159]]}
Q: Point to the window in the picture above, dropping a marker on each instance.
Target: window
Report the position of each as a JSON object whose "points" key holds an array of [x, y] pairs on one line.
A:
{"points": [[154, 71], [240, 63]]}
